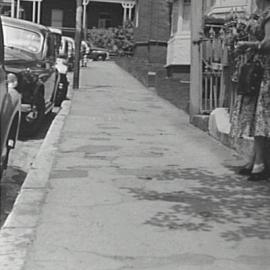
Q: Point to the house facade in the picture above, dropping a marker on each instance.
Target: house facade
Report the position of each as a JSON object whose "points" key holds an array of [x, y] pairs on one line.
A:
{"points": [[62, 13], [178, 54], [152, 30]]}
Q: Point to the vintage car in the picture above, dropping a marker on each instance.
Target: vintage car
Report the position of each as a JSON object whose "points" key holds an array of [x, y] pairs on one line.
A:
{"points": [[10, 114], [67, 51], [30, 53], [62, 68], [97, 53]]}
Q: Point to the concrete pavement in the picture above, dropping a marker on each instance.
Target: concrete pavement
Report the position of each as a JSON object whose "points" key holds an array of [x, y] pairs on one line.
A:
{"points": [[123, 181]]}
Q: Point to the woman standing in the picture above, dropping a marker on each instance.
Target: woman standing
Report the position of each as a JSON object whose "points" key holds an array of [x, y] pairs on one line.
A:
{"points": [[251, 116]]}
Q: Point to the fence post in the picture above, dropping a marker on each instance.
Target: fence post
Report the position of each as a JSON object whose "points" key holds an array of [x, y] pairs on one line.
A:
{"points": [[196, 61]]}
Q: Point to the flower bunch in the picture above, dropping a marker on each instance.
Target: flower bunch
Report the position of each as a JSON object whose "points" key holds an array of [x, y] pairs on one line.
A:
{"points": [[236, 29]]}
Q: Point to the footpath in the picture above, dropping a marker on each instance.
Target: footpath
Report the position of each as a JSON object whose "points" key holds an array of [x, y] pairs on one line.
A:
{"points": [[123, 181]]}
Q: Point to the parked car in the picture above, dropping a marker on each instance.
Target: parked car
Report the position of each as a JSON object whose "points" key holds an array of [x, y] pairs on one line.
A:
{"points": [[62, 68], [67, 51], [10, 113], [30, 53], [57, 33], [96, 53]]}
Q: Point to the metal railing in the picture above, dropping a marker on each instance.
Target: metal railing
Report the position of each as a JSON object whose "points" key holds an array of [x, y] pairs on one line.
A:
{"points": [[214, 55]]}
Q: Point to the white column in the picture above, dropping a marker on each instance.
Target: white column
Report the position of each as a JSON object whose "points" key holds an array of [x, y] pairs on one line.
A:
{"points": [[196, 58], [125, 15], [130, 12], [39, 11], [18, 9], [12, 8], [34, 12], [85, 4], [180, 16], [127, 10]]}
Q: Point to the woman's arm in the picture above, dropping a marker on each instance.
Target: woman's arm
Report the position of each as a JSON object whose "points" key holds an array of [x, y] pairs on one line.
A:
{"points": [[264, 45], [261, 46]]}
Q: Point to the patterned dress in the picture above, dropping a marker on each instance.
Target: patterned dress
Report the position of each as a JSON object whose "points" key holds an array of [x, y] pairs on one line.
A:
{"points": [[251, 115]]}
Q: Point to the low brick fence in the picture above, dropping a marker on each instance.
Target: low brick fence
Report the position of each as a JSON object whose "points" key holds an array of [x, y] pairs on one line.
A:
{"points": [[175, 90]]}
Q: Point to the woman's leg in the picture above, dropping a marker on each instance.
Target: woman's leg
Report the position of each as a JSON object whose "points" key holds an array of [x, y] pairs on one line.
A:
{"points": [[259, 146], [258, 170]]}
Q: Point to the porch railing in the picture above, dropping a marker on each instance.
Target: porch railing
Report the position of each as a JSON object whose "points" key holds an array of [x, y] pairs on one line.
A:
{"points": [[217, 88]]}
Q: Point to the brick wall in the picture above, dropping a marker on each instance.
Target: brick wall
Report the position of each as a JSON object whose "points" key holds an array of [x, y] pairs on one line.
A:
{"points": [[175, 90], [153, 31]]}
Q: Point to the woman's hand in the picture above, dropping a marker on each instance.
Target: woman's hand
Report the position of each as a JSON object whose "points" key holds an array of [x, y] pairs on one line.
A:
{"points": [[242, 46]]}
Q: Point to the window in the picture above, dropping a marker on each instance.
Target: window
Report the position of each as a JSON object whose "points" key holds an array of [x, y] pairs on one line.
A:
{"points": [[174, 16], [22, 39], [57, 18], [51, 48], [186, 15], [104, 20]]}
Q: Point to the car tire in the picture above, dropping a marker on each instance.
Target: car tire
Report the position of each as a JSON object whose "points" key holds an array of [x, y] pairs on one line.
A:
{"points": [[5, 161], [30, 128]]}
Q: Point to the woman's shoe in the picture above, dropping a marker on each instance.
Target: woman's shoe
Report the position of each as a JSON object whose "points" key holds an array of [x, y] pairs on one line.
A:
{"points": [[255, 177], [245, 171]]}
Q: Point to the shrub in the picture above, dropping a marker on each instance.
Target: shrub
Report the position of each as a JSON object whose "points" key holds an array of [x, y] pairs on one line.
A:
{"points": [[118, 40]]}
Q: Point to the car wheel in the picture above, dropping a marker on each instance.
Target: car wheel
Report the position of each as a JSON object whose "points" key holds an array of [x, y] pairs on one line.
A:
{"points": [[6, 151], [31, 121]]}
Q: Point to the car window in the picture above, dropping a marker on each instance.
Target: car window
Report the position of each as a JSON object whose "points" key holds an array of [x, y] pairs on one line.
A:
{"points": [[51, 48], [22, 38]]}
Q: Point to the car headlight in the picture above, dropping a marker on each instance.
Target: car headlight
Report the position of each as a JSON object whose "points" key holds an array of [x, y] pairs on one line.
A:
{"points": [[12, 81]]}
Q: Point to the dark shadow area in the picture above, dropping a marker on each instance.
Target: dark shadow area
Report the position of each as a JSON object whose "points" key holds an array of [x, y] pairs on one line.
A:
{"points": [[206, 201], [41, 134], [15, 175], [9, 189]]}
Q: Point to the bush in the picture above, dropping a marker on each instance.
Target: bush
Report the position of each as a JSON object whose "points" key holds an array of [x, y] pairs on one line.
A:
{"points": [[118, 40]]}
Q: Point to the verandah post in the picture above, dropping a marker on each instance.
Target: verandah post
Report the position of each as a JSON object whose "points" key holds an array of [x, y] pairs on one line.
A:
{"points": [[197, 8], [78, 34]]}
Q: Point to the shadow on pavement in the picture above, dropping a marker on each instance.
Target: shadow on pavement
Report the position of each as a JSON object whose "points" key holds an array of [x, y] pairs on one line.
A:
{"points": [[9, 189], [237, 209], [15, 175], [41, 134]]}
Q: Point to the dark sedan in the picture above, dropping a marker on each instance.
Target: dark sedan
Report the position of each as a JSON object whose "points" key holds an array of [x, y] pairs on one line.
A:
{"points": [[10, 113], [30, 53], [97, 53]]}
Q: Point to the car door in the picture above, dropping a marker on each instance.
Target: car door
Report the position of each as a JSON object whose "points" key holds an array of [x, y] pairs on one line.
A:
{"points": [[5, 101], [50, 76]]}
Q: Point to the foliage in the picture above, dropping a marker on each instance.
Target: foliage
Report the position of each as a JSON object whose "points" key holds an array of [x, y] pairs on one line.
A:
{"points": [[118, 40], [232, 29], [238, 28]]}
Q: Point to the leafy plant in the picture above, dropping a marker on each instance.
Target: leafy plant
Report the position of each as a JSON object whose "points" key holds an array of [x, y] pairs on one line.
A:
{"points": [[119, 40]]}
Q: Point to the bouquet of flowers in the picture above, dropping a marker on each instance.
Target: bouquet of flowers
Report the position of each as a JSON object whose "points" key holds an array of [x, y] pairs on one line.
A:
{"points": [[238, 28]]}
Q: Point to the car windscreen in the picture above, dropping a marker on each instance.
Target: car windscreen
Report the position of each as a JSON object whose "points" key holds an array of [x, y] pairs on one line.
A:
{"points": [[22, 38]]}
